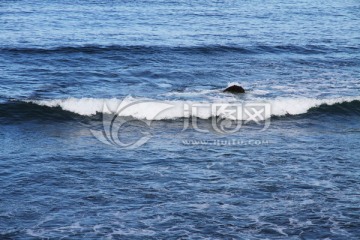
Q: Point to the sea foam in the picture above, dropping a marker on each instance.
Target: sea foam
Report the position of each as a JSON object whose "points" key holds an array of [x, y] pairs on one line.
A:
{"points": [[151, 109]]}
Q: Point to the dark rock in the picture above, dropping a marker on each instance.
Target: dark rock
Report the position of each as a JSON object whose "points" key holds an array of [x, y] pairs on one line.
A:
{"points": [[234, 89]]}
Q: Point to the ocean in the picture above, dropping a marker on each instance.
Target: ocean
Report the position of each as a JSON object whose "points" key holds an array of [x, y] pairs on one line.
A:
{"points": [[114, 123]]}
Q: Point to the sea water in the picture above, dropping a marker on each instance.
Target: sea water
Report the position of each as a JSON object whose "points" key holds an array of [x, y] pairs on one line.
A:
{"points": [[102, 135]]}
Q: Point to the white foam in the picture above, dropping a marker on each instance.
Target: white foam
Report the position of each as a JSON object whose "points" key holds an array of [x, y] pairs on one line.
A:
{"points": [[151, 109], [233, 83], [259, 92], [295, 106], [192, 93], [164, 85]]}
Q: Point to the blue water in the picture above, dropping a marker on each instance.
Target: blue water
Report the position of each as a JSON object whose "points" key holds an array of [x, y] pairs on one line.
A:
{"points": [[61, 61]]}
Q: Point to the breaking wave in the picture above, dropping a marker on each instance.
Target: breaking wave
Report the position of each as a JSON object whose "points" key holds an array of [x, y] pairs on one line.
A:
{"points": [[151, 109]]}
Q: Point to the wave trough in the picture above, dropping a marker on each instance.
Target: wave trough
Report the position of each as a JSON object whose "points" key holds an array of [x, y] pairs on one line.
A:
{"points": [[208, 49]]}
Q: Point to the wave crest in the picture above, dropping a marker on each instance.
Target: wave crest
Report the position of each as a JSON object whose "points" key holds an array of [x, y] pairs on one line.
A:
{"points": [[145, 108]]}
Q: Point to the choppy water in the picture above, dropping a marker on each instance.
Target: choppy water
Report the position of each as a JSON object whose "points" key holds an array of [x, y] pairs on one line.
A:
{"points": [[60, 62]]}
